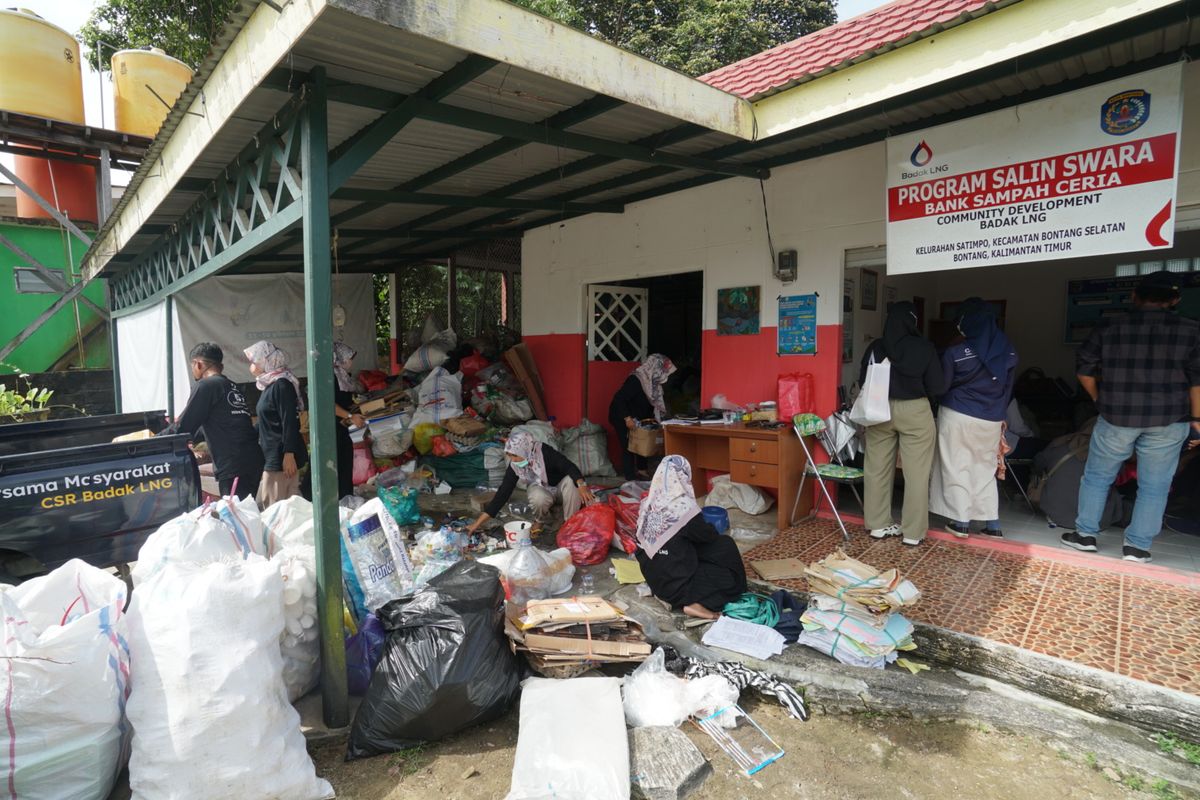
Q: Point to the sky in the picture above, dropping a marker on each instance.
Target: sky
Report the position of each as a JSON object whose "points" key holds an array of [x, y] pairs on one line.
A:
{"points": [[852, 8]]}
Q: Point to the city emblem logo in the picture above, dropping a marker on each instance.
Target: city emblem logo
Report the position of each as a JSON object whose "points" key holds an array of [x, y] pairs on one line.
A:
{"points": [[1125, 112]]}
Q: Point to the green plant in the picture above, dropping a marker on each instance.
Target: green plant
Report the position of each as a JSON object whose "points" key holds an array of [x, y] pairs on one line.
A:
{"points": [[1172, 744], [1090, 760], [1162, 790], [16, 404], [1133, 782], [407, 763]]}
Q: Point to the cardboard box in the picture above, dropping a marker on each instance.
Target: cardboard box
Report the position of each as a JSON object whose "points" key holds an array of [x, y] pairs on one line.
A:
{"points": [[136, 436], [372, 406], [646, 442]]}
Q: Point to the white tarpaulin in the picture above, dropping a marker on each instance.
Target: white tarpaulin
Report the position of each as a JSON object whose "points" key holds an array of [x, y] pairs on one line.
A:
{"points": [[1084, 173], [142, 358], [238, 310]]}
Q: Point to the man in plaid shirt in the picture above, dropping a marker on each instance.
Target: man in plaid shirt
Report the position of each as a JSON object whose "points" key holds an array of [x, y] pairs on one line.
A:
{"points": [[1143, 371]]}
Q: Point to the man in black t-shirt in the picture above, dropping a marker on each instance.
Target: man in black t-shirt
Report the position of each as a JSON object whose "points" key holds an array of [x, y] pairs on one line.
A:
{"points": [[217, 408]]}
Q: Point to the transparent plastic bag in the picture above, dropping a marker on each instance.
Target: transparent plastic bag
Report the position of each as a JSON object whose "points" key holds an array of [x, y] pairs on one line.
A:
{"points": [[528, 574]]}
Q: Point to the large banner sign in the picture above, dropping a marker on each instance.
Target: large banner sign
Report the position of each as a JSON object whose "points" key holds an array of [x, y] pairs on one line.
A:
{"points": [[1085, 173]]}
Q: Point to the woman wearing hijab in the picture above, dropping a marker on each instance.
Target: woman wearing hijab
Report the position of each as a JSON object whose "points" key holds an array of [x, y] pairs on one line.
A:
{"points": [[640, 397], [343, 399], [278, 412], [979, 374], [547, 474], [683, 558], [916, 379]]}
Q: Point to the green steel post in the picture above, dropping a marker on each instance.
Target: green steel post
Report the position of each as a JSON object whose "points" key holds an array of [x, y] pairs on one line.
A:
{"points": [[318, 324], [112, 344], [170, 362]]}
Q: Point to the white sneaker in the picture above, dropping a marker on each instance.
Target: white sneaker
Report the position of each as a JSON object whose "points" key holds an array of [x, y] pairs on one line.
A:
{"points": [[882, 533], [911, 542]]}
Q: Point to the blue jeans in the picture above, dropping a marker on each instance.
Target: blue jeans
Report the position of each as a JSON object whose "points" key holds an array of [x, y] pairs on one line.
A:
{"points": [[1157, 451]]}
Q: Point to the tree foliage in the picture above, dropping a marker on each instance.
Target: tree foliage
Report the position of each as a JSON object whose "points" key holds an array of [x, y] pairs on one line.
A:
{"points": [[692, 36], [184, 29]]}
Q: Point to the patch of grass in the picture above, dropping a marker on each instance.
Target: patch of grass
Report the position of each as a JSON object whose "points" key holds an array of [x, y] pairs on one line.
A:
{"points": [[1171, 744], [1090, 760], [1162, 790], [407, 763], [1133, 782]]}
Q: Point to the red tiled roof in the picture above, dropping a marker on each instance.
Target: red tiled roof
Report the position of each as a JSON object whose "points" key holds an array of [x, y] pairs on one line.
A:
{"points": [[782, 66]]}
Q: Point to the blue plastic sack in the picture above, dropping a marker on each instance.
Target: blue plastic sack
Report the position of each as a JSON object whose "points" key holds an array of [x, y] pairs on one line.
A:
{"points": [[362, 654]]}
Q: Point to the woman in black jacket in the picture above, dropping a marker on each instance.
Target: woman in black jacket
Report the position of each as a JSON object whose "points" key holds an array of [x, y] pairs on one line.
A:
{"points": [[916, 379], [683, 558], [640, 397], [278, 412]]}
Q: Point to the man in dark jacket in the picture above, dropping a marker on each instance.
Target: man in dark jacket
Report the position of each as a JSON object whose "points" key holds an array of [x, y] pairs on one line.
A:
{"points": [[217, 412], [1143, 371]]}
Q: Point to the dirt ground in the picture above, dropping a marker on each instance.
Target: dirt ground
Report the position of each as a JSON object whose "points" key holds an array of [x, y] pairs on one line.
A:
{"points": [[828, 758]]}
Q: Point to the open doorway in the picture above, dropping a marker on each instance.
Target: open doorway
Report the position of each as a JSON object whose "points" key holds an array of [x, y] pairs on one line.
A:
{"points": [[1047, 309], [628, 320]]}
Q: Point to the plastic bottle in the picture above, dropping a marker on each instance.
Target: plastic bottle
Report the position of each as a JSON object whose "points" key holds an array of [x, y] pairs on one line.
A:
{"points": [[587, 584]]}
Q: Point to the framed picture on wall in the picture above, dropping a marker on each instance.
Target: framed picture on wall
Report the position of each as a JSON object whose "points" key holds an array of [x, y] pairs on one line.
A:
{"points": [[738, 310], [869, 299]]}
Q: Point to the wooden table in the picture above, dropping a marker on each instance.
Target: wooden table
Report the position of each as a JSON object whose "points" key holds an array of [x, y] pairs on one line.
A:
{"points": [[771, 459]]}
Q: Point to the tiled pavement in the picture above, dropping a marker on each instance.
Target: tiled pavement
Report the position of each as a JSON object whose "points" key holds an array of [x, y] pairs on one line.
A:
{"points": [[1141, 621]]}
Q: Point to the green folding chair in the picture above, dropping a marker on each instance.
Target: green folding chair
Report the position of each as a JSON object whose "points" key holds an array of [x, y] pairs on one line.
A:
{"points": [[834, 472]]}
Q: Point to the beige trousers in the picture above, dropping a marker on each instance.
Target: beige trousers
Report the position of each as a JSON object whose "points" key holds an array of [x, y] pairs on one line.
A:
{"points": [[541, 499], [912, 432], [276, 486]]}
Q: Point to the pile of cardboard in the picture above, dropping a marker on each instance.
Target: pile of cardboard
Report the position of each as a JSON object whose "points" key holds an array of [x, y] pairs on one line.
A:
{"points": [[561, 636]]}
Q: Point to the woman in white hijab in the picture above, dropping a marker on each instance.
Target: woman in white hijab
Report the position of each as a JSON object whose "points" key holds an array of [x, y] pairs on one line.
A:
{"points": [[683, 558], [278, 413], [640, 397]]}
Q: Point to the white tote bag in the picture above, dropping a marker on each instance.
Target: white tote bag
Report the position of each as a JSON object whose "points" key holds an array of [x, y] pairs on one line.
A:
{"points": [[871, 407]]}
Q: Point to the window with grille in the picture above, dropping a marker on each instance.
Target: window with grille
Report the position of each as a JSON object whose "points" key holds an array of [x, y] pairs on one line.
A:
{"points": [[1146, 267], [618, 318]]}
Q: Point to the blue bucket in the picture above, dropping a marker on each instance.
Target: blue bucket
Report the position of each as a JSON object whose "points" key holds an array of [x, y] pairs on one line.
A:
{"points": [[717, 517]]}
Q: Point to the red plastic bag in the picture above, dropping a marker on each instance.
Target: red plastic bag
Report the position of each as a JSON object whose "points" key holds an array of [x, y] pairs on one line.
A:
{"points": [[626, 511], [588, 534], [364, 464], [472, 364], [442, 447], [373, 380], [795, 391]]}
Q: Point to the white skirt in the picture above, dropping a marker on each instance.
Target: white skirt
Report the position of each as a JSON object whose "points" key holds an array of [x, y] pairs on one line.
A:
{"points": [[963, 483]]}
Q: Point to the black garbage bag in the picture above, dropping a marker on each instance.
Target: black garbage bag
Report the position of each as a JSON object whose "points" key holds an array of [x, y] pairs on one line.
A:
{"points": [[446, 664]]}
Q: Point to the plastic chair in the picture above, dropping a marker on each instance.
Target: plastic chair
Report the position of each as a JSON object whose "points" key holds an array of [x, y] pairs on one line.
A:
{"points": [[839, 473]]}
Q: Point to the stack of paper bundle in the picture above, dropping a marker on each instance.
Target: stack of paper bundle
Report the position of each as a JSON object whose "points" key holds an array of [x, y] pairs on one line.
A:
{"points": [[853, 611]]}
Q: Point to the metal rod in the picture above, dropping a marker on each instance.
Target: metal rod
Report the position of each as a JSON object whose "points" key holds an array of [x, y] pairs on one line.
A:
{"points": [[170, 301], [318, 312], [49, 275], [46, 205], [114, 355]]}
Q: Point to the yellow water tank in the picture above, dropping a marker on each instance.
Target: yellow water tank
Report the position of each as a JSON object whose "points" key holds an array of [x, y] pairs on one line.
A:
{"points": [[39, 68], [40, 75], [146, 83]]}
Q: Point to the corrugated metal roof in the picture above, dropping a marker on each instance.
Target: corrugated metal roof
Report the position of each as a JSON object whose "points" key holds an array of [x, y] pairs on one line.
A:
{"points": [[357, 51], [884, 28]]}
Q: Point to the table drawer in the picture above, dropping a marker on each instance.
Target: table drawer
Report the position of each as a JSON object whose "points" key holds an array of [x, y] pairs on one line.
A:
{"points": [[763, 451], [754, 473]]}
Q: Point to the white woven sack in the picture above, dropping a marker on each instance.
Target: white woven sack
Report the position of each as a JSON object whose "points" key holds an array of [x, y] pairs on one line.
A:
{"points": [[62, 638], [210, 714]]}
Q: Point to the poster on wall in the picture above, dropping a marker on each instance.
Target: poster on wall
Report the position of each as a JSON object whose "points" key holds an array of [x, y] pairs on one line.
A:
{"points": [[1092, 300], [738, 311], [798, 325], [847, 320], [1084, 173], [870, 289]]}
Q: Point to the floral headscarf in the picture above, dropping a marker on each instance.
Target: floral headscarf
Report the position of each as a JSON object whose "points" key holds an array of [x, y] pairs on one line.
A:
{"points": [[343, 354], [652, 374], [670, 505], [526, 448], [274, 365]]}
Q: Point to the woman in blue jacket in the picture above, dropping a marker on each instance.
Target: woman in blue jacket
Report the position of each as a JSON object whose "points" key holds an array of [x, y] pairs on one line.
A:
{"points": [[979, 372]]}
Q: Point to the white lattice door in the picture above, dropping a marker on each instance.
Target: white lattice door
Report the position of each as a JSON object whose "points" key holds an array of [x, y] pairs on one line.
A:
{"points": [[618, 318]]}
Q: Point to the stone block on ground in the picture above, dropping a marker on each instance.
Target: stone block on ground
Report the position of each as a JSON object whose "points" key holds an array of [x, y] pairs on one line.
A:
{"points": [[664, 764]]}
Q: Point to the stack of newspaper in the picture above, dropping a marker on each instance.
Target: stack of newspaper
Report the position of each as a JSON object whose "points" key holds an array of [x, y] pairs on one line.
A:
{"points": [[853, 611]]}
